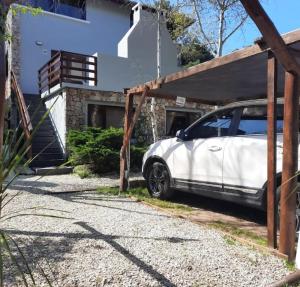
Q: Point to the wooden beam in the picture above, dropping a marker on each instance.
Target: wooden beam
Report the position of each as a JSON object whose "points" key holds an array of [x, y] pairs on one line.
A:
{"points": [[272, 135], [270, 35], [127, 121], [289, 167], [129, 124]]}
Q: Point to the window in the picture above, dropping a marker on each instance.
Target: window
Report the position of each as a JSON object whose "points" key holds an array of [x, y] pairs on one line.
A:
{"points": [[71, 8], [216, 125], [46, 5], [254, 120], [105, 116], [177, 120]]}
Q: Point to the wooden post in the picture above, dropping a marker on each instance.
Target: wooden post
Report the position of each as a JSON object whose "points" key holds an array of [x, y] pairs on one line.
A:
{"points": [[272, 135], [289, 167], [129, 123], [127, 120]]}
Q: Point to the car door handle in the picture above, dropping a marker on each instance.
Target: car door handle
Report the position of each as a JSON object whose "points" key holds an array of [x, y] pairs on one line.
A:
{"points": [[214, 148]]}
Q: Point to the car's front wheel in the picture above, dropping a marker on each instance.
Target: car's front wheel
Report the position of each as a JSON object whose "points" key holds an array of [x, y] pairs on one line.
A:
{"points": [[158, 181]]}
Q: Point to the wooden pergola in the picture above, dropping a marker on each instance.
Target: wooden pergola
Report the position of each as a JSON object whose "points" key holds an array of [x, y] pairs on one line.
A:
{"points": [[267, 69]]}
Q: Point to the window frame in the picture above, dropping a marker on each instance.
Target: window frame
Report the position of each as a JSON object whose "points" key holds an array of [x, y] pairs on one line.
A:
{"points": [[240, 118], [232, 128], [182, 110]]}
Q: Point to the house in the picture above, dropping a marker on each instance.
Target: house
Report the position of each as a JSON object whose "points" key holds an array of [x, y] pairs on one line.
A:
{"points": [[79, 56]]}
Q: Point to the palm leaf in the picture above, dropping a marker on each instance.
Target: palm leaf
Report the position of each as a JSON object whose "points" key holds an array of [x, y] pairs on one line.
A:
{"points": [[5, 245], [23, 258]]}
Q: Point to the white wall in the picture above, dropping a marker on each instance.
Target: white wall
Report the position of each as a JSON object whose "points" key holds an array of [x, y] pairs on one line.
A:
{"points": [[57, 106], [106, 24], [117, 73], [106, 32], [140, 44], [137, 51]]}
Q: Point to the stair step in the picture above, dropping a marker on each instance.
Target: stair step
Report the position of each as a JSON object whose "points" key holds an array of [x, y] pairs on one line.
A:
{"points": [[47, 163], [48, 156], [44, 136], [53, 170], [50, 149], [44, 141]]}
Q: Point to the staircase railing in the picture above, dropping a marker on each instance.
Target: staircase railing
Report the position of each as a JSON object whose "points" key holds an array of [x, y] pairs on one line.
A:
{"points": [[25, 118]]}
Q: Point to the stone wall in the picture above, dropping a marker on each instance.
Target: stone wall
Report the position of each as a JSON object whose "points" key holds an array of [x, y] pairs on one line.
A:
{"points": [[76, 110], [13, 46]]}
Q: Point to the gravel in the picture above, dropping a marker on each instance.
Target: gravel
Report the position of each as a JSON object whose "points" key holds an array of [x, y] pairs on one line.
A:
{"points": [[114, 241], [67, 182]]}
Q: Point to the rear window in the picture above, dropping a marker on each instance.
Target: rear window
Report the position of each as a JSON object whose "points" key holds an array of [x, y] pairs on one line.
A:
{"points": [[254, 120]]}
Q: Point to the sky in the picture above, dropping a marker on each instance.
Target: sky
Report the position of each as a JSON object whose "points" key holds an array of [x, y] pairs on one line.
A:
{"points": [[285, 14]]}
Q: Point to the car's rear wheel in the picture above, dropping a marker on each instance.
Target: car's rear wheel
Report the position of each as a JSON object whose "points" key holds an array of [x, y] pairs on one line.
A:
{"points": [[297, 217], [158, 181]]}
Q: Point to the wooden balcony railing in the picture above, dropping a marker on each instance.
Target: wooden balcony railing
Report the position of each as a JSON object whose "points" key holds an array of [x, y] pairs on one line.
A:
{"points": [[66, 67]]}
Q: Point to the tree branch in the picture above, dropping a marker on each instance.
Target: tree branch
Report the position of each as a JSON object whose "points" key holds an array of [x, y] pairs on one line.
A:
{"points": [[208, 41], [235, 29]]}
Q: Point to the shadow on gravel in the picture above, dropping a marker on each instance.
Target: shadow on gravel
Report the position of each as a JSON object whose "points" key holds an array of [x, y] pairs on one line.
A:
{"points": [[54, 249], [222, 207], [33, 186], [82, 198], [135, 260]]}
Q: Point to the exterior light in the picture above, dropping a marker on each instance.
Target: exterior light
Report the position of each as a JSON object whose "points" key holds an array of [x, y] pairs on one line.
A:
{"points": [[39, 43]]}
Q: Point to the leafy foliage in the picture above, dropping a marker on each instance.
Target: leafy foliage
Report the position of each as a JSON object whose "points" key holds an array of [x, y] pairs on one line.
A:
{"points": [[83, 171], [100, 148], [193, 52], [177, 22], [15, 9], [14, 155]]}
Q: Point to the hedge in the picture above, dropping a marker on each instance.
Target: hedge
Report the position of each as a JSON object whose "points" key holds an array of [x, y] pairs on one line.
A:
{"points": [[100, 148]]}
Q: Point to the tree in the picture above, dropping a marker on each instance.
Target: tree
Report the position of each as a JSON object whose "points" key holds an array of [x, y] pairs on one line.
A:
{"points": [[177, 22], [217, 21], [192, 52]]}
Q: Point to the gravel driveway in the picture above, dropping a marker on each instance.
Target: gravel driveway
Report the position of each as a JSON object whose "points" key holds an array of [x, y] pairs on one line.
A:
{"points": [[114, 241]]}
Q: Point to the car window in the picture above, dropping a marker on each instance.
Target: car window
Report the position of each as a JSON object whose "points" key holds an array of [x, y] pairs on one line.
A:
{"points": [[254, 120], [214, 126]]}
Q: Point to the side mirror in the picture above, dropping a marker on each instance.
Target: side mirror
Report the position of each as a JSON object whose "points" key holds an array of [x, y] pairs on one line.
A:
{"points": [[181, 135]]}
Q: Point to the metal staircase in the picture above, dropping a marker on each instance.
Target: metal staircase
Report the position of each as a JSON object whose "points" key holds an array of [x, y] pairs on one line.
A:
{"points": [[44, 143]]}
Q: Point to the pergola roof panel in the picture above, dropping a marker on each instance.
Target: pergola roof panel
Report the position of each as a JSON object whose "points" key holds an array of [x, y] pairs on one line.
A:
{"points": [[241, 75]]}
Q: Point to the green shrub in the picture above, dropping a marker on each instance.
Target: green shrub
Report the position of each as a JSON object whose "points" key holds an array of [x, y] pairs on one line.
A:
{"points": [[100, 148], [83, 171]]}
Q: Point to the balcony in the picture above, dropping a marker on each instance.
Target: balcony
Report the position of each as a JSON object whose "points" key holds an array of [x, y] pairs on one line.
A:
{"points": [[67, 68]]}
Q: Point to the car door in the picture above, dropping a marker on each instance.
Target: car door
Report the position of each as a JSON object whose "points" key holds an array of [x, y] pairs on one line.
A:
{"points": [[245, 157], [198, 158]]}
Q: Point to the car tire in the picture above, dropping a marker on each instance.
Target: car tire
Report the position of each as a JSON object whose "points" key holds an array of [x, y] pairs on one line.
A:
{"points": [[297, 209], [158, 181]]}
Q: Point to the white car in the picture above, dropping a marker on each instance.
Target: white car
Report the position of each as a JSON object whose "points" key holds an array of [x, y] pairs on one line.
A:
{"points": [[222, 155]]}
